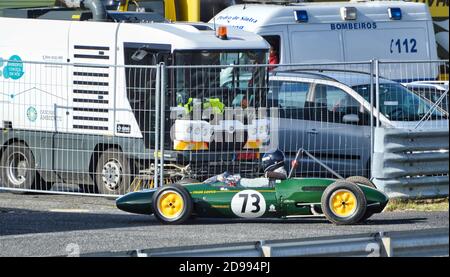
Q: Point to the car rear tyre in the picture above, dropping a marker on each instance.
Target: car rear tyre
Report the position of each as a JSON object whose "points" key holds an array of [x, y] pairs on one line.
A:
{"points": [[172, 204], [18, 168], [113, 173], [344, 203], [366, 182]]}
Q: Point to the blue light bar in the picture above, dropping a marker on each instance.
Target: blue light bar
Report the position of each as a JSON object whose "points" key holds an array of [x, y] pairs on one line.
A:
{"points": [[301, 16], [395, 13]]}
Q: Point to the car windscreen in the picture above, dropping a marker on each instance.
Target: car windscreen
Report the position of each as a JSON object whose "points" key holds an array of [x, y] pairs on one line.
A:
{"points": [[400, 104]]}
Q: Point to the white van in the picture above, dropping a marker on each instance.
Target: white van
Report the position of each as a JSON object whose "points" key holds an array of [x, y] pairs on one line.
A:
{"points": [[344, 32]]}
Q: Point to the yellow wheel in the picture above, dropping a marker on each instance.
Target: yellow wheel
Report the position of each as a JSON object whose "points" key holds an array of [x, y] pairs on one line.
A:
{"points": [[172, 204], [359, 180], [344, 203]]}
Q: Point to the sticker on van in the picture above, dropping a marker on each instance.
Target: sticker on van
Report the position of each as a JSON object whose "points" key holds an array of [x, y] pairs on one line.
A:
{"points": [[354, 26], [13, 69]]}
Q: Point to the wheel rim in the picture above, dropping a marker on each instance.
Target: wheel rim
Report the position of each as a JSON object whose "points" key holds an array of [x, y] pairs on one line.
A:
{"points": [[343, 203], [112, 174], [17, 168], [170, 205]]}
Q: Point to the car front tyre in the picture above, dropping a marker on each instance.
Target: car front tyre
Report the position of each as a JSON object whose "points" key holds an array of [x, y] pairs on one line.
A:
{"points": [[344, 203], [172, 204]]}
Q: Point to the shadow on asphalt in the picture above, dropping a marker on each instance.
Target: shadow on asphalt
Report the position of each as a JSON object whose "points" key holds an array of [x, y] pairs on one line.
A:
{"points": [[151, 221], [22, 221]]}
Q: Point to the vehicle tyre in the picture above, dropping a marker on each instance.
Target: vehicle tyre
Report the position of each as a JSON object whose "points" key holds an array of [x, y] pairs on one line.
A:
{"points": [[344, 203], [18, 167], [361, 180], [172, 204], [366, 182], [113, 174]]}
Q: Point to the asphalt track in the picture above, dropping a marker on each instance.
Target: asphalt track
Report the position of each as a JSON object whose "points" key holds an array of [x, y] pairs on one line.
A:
{"points": [[49, 225]]}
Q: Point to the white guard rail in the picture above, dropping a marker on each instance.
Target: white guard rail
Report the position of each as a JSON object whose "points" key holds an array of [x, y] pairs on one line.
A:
{"points": [[411, 163], [422, 243]]}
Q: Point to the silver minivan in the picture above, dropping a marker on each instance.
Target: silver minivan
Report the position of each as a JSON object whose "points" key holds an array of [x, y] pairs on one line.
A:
{"points": [[328, 113]]}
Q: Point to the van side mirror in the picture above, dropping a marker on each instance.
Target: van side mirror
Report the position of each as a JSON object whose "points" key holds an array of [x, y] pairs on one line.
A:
{"points": [[350, 118]]}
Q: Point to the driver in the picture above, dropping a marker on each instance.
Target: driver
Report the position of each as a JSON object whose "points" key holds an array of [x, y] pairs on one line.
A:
{"points": [[273, 164], [274, 169]]}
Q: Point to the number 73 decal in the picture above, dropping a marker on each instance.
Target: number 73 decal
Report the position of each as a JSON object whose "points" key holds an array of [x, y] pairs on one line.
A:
{"points": [[248, 204]]}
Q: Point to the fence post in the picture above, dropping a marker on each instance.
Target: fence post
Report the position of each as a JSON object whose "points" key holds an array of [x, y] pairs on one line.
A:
{"points": [[157, 107], [162, 125], [377, 90], [372, 128]]}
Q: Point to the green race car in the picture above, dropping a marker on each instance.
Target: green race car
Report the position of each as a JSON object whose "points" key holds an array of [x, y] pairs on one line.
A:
{"points": [[342, 201]]}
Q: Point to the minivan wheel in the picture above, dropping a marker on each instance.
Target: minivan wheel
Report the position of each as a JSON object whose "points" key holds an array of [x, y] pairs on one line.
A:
{"points": [[113, 173]]}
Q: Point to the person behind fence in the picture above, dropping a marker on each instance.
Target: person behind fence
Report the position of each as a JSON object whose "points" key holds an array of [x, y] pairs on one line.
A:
{"points": [[273, 58], [274, 166]]}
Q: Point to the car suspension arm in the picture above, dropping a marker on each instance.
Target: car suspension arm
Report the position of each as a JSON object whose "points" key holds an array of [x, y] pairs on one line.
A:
{"points": [[300, 153]]}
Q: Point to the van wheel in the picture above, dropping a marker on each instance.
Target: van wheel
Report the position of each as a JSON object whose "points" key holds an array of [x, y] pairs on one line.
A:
{"points": [[18, 168], [172, 204], [344, 203], [113, 173]]}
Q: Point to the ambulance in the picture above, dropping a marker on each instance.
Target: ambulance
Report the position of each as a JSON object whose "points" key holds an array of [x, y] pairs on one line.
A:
{"points": [[352, 31]]}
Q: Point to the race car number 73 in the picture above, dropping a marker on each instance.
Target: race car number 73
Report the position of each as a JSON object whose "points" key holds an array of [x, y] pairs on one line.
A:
{"points": [[248, 204]]}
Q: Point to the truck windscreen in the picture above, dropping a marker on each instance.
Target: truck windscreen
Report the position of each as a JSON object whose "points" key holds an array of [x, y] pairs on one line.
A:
{"points": [[223, 74]]}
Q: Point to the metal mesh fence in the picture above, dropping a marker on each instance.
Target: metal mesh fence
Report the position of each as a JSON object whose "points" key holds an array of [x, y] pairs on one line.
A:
{"points": [[79, 128], [427, 107], [228, 123], [108, 130]]}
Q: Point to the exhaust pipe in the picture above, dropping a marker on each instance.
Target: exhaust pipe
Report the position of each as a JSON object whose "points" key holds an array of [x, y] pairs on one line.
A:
{"points": [[95, 6]]}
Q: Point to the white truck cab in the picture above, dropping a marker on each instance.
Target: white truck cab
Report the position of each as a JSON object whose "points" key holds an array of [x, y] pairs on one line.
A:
{"points": [[343, 32]]}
